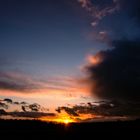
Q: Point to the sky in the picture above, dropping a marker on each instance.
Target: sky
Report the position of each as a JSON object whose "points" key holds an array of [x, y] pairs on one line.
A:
{"points": [[68, 56]]}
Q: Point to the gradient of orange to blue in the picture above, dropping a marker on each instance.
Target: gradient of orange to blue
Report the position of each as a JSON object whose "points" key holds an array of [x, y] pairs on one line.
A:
{"points": [[44, 45]]}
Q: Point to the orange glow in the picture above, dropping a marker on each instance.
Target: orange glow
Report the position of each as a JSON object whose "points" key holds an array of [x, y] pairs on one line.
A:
{"points": [[61, 118], [64, 118], [93, 59]]}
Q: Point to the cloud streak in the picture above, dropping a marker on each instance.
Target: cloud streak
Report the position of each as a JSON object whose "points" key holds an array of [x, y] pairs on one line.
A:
{"points": [[98, 12], [19, 82], [26, 114]]}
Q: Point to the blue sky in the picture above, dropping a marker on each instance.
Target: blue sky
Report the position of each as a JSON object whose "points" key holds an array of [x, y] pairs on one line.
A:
{"points": [[46, 37]]}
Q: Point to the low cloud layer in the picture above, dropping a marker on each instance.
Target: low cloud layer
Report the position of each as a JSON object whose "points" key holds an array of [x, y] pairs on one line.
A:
{"points": [[112, 108], [26, 110]]}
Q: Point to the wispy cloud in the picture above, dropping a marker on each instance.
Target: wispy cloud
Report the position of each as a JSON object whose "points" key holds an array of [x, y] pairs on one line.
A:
{"points": [[98, 12], [20, 83], [17, 82]]}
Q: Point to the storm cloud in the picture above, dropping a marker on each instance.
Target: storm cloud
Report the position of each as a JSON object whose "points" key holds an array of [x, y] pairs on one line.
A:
{"points": [[114, 74], [117, 74]]}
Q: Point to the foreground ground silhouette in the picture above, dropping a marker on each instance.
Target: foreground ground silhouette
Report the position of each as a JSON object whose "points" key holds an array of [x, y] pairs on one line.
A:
{"points": [[25, 128]]}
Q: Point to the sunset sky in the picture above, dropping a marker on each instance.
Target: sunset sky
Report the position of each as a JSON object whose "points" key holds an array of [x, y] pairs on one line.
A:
{"points": [[70, 56]]}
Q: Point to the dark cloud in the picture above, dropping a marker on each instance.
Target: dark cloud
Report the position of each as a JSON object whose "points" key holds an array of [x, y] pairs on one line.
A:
{"points": [[30, 114], [23, 108], [16, 103], [26, 107], [8, 100], [68, 110], [28, 110], [25, 114], [112, 108], [3, 105], [2, 112], [23, 103], [31, 107], [35, 107], [117, 74], [114, 74], [118, 108]]}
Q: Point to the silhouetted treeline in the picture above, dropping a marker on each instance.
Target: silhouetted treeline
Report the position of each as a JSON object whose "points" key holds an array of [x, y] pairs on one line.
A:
{"points": [[51, 130]]}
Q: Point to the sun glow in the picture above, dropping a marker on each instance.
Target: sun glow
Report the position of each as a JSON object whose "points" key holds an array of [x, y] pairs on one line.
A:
{"points": [[66, 119], [63, 119]]}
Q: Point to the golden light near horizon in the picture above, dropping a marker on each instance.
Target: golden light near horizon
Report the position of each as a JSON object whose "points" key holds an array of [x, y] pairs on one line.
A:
{"points": [[63, 119], [66, 121]]}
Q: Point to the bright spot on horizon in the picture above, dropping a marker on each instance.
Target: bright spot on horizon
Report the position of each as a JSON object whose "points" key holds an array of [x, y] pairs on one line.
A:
{"points": [[63, 119]]}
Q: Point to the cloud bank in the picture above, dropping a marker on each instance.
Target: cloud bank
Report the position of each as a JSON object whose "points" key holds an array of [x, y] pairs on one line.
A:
{"points": [[26, 110], [117, 74], [103, 109]]}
